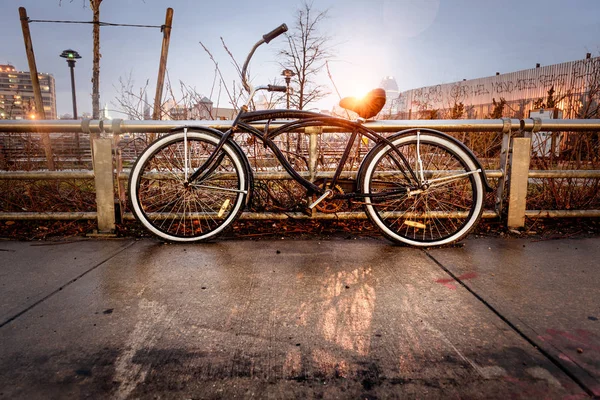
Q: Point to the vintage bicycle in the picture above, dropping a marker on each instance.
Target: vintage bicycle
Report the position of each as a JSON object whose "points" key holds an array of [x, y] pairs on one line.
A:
{"points": [[420, 187]]}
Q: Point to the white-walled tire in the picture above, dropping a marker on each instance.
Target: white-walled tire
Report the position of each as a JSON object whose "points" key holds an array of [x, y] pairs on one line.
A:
{"points": [[174, 211], [441, 214]]}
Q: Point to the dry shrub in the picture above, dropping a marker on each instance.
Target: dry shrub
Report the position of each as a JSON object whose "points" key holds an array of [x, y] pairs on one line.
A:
{"points": [[572, 151], [70, 195]]}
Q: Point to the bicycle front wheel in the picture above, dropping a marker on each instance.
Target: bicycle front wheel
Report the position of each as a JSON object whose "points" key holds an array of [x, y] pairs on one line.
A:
{"points": [[441, 212], [173, 210]]}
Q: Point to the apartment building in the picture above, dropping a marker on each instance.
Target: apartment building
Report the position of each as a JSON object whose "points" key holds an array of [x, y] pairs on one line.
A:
{"points": [[16, 94]]}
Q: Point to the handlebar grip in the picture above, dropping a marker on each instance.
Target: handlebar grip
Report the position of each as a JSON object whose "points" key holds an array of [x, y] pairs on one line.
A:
{"points": [[275, 32], [275, 88]]}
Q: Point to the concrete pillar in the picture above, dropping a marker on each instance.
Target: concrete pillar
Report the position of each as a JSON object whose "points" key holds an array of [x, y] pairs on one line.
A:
{"points": [[313, 150], [519, 174], [105, 188], [313, 133]]}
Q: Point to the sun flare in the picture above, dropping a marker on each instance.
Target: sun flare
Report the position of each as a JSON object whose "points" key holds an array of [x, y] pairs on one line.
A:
{"points": [[359, 91]]}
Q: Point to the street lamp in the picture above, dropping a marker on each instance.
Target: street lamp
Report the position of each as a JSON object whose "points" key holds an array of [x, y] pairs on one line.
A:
{"points": [[72, 56], [288, 73]]}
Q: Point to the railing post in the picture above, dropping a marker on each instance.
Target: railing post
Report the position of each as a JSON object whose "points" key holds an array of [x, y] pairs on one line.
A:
{"points": [[504, 151], [313, 150], [519, 174], [121, 191], [313, 156], [105, 189]]}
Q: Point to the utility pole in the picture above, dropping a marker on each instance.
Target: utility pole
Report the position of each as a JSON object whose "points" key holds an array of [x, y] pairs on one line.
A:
{"points": [[35, 84], [96, 62], [166, 29]]}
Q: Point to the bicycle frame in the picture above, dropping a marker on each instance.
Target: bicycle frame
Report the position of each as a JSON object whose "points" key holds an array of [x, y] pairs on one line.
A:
{"points": [[306, 119], [268, 140]]}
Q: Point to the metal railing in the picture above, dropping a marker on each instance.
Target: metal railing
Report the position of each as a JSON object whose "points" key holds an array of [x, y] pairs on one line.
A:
{"points": [[513, 171]]}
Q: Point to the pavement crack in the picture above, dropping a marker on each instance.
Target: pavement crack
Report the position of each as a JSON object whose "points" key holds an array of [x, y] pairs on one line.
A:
{"points": [[32, 306], [518, 331]]}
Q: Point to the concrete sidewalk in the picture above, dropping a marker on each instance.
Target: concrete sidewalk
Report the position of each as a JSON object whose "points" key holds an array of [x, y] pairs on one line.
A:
{"points": [[493, 318]]}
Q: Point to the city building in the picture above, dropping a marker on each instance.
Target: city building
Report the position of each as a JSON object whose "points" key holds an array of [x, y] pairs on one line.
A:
{"points": [[202, 110], [569, 87], [16, 94], [104, 114], [391, 94]]}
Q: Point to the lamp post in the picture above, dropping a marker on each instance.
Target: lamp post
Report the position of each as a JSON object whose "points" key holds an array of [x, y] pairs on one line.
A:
{"points": [[72, 56], [288, 73]]}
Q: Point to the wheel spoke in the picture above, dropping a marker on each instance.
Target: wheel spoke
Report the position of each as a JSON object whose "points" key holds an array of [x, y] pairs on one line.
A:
{"points": [[438, 213], [178, 211]]}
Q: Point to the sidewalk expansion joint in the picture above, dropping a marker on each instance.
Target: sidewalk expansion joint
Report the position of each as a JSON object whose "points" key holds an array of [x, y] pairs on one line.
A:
{"points": [[518, 331], [17, 315]]}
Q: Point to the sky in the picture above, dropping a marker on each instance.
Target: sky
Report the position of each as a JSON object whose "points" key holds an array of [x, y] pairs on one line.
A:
{"points": [[418, 42]]}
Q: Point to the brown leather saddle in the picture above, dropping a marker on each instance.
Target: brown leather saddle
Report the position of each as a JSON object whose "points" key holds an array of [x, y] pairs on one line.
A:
{"points": [[367, 107]]}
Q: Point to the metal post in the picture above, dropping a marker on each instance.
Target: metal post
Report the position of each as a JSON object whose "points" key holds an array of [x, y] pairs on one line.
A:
{"points": [[121, 191], [313, 156], [287, 93], [105, 190], [287, 74], [72, 68], [313, 150], [519, 174], [72, 56], [504, 150], [166, 29], [35, 84]]}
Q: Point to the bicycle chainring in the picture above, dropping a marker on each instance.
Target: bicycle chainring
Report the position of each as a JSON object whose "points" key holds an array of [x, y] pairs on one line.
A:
{"points": [[330, 205]]}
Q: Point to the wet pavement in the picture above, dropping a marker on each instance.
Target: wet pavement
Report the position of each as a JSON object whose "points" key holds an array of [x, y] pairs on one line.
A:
{"points": [[493, 318]]}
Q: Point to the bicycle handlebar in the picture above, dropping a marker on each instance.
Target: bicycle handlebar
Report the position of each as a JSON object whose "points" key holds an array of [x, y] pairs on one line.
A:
{"points": [[265, 39], [275, 32]]}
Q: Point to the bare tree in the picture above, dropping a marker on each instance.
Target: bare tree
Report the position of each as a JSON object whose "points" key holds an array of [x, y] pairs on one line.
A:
{"points": [[306, 54], [131, 101], [95, 6], [235, 93]]}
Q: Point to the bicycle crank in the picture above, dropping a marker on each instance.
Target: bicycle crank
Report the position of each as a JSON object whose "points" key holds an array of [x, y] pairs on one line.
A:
{"points": [[325, 203]]}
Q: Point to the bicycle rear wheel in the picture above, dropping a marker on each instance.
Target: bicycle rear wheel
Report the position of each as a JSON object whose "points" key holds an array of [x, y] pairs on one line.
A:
{"points": [[197, 211], [443, 212]]}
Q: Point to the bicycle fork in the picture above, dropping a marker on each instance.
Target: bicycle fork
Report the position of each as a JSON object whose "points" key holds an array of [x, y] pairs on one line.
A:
{"points": [[207, 168]]}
